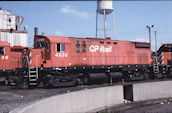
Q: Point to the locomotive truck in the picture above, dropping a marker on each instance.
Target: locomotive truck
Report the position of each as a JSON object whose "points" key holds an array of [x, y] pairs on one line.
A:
{"points": [[57, 60]]}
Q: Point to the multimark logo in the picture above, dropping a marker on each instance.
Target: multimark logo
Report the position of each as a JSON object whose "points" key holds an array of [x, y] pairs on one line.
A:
{"points": [[95, 48]]}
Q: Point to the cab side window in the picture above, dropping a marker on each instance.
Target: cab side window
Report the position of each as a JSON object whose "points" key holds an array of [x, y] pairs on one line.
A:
{"points": [[83, 46], [2, 50], [78, 46], [38, 45], [60, 47]]}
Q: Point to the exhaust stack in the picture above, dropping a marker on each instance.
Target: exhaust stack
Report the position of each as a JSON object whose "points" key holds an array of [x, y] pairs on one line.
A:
{"points": [[36, 31]]}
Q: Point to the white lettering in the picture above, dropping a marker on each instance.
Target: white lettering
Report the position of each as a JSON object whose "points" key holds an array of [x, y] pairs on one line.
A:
{"points": [[93, 48], [96, 47], [66, 54], [4, 57], [56, 54], [100, 49], [61, 55]]}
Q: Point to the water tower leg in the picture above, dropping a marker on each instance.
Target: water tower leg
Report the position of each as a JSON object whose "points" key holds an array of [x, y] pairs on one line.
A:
{"points": [[113, 25], [105, 30], [96, 22]]}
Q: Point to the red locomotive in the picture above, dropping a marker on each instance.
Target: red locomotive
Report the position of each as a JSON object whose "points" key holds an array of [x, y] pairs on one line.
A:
{"points": [[57, 59], [165, 59], [10, 59], [165, 54]]}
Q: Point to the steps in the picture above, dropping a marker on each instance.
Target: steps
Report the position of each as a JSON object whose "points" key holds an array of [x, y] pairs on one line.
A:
{"points": [[156, 66], [33, 76], [32, 72]]}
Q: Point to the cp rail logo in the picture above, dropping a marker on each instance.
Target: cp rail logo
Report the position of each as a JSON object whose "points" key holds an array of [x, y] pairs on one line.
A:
{"points": [[95, 48]]}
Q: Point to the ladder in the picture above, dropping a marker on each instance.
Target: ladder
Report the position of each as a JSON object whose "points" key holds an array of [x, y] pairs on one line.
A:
{"points": [[156, 65], [24, 58], [32, 74]]}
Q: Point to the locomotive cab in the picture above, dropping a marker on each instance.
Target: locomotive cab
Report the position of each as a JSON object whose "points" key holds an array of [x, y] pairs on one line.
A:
{"points": [[40, 53], [43, 43], [52, 51]]}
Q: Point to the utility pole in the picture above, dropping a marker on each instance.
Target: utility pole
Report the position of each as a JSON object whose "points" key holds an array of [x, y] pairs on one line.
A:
{"points": [[149, 29], [155, 41]]}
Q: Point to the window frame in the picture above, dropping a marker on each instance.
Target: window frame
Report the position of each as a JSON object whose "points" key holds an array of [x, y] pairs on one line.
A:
{"points": [[84, 47], [61, 47], [3, 51], [61, 50], [101, 42], [78, 46], [115, 43], [47, 45]]}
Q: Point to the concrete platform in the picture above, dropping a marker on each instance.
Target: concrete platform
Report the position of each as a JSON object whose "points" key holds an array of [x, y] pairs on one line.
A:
{"points": [[79, 101], [152, 90], [95, 99]]}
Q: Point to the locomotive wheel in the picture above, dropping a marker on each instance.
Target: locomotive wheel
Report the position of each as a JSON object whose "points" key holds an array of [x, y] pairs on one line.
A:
{"points": [[128, 79], [47, 84], [75, 80], [47, 81], [159, 75], [23, 84], [145, 76], [151, 75], [170, 73], [85, 80]]}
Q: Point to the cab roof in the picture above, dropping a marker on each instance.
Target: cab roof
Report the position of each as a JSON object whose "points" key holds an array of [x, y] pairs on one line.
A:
{"points": [[165, 46], [63, 39]]}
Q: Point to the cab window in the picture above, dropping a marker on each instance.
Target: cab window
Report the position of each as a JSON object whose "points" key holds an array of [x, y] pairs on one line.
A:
{"points": [[84, 46], [60, 47], [47, 45], [39, 45], [78, 46], [2, 50]]}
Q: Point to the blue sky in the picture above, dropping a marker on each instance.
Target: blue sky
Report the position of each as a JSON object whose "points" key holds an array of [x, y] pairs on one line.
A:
{"points": [[78, 19]]}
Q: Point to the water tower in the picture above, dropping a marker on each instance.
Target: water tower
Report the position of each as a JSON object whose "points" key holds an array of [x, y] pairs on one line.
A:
{"points": [[104, 7]]}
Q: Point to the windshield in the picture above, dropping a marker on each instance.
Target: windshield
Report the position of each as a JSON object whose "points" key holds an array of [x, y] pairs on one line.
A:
{"points": [[39, 45]]}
